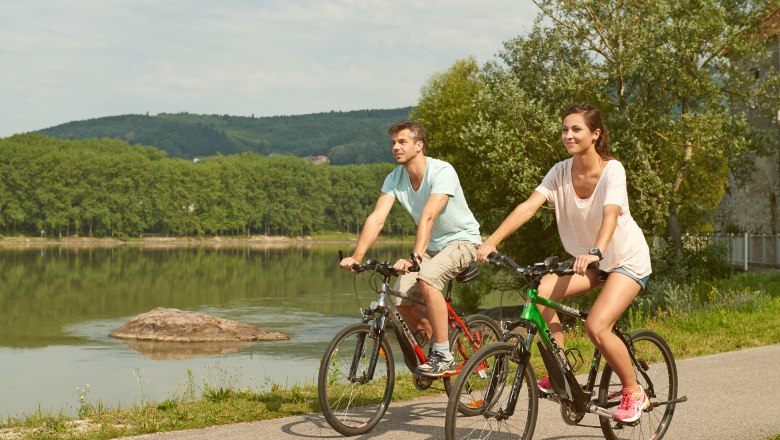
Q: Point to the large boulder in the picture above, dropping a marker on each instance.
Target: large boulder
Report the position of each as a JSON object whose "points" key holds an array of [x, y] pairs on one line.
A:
{"points": [[173, 325]]}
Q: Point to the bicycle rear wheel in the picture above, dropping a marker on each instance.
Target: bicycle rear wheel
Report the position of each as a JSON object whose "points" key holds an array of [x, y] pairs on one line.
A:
{"points": [[351, 402], [497, 365], [655, 358], [485, 331]]}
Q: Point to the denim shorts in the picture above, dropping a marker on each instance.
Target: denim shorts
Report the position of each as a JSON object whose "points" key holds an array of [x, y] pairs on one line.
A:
{"points": [[642, 281]]}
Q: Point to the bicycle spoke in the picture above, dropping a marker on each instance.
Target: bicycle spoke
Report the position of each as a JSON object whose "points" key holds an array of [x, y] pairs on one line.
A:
{"points": [[485, 383], [350, 402], [657, 363]]}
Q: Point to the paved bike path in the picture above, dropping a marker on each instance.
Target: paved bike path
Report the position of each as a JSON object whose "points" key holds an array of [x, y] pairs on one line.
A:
{"points": [[730, 395]]}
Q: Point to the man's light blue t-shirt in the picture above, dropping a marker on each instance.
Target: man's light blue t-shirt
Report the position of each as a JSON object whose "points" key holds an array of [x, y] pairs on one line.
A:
{"points": [[455, 222]]}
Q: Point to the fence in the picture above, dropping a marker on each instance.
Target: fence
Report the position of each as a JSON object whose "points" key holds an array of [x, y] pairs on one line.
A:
{"points": [[744, 250]]}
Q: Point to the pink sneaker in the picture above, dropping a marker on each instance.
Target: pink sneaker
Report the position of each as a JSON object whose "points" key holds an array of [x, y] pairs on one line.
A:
{"points": [[544, 385], [631, 406]]}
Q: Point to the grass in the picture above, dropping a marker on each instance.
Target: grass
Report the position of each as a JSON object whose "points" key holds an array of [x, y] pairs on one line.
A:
{"points": [[732, 314]]}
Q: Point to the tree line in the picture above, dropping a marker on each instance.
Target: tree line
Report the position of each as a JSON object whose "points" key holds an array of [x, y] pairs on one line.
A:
{"points": [[355, 137], [108, 188]]}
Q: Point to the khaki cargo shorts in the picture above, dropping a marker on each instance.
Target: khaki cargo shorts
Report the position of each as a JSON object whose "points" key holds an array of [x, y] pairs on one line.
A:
{"points": [[436, 269]]}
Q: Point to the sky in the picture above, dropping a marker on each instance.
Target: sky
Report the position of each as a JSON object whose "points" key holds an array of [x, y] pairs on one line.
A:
{"points": [[69, 60]]}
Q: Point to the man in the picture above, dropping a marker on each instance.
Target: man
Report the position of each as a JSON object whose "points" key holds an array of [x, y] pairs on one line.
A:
{"points": [[446, 241]]}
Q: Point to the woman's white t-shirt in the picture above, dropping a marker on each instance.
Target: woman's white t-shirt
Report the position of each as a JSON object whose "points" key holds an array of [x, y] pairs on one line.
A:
{"points": [[579, 219]]}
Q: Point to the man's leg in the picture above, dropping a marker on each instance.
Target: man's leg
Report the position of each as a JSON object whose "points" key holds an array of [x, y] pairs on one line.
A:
{"points": [[416, 318], [437, 313], [435, 273]]}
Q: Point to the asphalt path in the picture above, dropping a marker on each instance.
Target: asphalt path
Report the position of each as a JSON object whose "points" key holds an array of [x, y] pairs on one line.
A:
{"points": [[730, 395]]}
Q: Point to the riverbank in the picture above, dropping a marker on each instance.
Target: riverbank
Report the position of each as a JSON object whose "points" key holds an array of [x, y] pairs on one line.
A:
{"points": [[216, 241]]}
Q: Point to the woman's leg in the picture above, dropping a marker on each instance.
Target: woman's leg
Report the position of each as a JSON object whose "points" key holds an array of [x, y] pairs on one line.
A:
{"points": [[556, 288], [614, 298]]}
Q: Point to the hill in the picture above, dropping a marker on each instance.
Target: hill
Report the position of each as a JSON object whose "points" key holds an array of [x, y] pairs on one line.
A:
{"points": [[352, 137]]}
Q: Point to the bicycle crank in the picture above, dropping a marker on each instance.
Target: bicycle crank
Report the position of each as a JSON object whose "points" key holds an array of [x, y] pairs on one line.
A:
{"points": [[569, 415], [422, 383]]}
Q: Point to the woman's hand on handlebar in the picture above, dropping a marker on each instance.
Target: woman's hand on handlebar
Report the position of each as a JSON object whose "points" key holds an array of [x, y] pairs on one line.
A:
{"points": [[581, 263], [484, 252]]}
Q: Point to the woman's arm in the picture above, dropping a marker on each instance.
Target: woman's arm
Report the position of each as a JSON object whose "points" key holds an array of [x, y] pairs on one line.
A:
{"points": [[517, 218]]}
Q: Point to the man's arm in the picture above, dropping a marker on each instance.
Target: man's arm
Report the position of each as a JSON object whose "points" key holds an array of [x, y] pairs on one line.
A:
{"points": [[431, 210], [371, 229]]}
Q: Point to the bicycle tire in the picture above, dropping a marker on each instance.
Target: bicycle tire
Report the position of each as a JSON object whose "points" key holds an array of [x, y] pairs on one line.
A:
{"points": [[486, 331], [495, 362], [354, 407], [656, 359]]}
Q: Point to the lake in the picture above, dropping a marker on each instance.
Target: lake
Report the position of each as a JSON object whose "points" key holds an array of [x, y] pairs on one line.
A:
{"points": [[59, 305]]}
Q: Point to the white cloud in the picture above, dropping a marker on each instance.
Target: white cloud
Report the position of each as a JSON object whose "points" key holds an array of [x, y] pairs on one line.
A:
{"points": [[65, 61]]}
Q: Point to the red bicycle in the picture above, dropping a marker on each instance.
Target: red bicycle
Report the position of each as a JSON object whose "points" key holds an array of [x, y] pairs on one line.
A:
{"points": [[357, 372]]}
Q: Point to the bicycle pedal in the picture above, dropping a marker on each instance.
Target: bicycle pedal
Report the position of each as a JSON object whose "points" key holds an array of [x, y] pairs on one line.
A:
{"points": [[620, 425]]}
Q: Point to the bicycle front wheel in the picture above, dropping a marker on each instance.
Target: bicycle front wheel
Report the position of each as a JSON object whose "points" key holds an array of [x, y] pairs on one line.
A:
{"points": [[485, 385], [654, 358], [484, 331], [351, 401]]}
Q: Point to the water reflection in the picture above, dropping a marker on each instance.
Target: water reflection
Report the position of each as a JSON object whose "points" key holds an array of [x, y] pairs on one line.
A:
{"points": [[59, 305], [166, 351]]}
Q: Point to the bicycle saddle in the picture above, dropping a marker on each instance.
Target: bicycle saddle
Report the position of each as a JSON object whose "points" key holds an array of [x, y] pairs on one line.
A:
{"points": [[467, 274]]}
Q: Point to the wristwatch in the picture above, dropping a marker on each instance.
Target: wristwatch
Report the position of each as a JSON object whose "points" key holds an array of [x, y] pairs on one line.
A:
{"points": [[416, 258], [595, 251]]}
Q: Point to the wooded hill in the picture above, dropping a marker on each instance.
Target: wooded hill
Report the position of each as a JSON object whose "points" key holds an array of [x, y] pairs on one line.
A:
{"points": [[354, 137]]}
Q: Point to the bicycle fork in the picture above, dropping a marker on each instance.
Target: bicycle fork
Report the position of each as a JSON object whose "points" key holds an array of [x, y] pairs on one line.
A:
{"points": [[500, 372], [376, 333]]}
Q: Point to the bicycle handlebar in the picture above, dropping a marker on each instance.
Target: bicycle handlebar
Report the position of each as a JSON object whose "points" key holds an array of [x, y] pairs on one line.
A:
{"points": [[382, 267], [538, 270]]}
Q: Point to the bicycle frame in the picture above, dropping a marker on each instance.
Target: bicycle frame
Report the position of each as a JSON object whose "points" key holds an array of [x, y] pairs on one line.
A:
{"points": [[555, 357], [383, 309]]}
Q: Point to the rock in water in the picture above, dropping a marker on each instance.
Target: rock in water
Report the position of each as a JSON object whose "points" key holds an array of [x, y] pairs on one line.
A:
{"points": [[173, 325]]}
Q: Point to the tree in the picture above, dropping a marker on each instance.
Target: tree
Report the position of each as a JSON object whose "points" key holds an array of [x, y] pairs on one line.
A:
{"points": [[672, 84]]}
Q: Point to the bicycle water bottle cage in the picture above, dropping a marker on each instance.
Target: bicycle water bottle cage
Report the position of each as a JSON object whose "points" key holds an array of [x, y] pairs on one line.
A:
{"points": [[467, 274], [410, 357], [574, 357], [553, 371]]}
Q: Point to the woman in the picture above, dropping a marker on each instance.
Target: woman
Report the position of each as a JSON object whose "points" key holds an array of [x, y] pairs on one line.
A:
{"points": [[589, 194]]}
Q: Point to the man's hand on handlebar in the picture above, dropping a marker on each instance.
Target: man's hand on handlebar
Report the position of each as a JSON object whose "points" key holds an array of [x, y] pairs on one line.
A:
{"points": [[404, 266], [348, 263], [484, 252]]}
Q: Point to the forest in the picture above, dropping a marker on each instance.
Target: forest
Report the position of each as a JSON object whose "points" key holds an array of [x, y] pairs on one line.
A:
{"points": [[108, 188], [355, 137]]}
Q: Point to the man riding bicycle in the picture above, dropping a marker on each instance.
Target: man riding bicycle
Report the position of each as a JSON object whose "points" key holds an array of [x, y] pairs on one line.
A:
{"points": [[445, 243]]}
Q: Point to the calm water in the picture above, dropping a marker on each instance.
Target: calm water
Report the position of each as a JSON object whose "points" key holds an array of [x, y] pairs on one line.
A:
{"points": [[59, 305]]}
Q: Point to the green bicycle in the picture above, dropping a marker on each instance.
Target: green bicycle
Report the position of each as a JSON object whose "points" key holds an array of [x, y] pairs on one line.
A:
{"points": [[499, 381]]}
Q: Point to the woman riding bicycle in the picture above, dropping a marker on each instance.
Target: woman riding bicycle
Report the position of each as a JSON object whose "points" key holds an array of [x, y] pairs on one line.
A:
{"points": [[589, 194]]}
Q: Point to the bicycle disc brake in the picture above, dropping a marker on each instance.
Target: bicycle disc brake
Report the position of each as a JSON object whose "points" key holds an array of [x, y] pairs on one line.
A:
{"points": [[422, 383], [569, 415]]}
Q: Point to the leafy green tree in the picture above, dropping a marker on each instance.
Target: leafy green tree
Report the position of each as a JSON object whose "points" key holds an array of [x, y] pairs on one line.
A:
{"points": [[673, 85]]}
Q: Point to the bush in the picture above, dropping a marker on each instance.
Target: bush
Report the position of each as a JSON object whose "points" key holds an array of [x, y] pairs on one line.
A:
{"points": [[701, 260]]}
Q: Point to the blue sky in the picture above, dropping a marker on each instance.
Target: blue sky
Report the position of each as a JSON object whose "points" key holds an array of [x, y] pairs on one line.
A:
{"points": [[79, 59]]}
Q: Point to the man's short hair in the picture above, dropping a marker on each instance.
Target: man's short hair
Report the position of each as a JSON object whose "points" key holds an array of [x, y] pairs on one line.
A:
{"points": [[416, 130]]}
